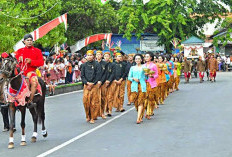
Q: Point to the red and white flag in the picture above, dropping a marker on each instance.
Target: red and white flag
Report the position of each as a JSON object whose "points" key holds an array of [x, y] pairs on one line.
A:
{"points": [[43, 30], [91, 39]]}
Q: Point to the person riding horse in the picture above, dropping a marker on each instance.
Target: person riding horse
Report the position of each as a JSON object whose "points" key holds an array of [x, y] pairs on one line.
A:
{"points": [[29, 59]]}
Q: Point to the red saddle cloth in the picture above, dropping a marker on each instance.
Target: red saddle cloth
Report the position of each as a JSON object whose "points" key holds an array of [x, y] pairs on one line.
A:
{"points": [[19, 96]]}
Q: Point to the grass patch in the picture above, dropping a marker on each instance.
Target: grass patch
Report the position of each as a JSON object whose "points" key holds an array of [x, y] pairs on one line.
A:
{"points": [[68, 85]]}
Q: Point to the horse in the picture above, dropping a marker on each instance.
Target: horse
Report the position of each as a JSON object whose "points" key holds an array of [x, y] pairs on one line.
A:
{"points": [[10, 75]]}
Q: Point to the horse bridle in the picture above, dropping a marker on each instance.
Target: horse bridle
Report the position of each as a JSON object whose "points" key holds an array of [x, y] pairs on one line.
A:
{"points": [[8, 74]]}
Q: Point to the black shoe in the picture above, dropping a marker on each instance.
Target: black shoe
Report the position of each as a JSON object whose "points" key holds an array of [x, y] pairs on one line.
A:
{"points": [[14, 129], [122, 110], [31, 105], [109, 115]]}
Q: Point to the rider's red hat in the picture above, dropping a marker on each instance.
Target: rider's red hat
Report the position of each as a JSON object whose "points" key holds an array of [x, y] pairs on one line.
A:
{"points": [[4, 55]]}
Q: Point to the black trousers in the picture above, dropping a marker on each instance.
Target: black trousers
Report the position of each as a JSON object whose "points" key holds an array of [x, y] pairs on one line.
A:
{"points": [[68, 78], [5, 116]]}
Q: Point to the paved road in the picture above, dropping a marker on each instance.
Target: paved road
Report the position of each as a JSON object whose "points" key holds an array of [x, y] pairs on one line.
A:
{"points": [[194, 122]]}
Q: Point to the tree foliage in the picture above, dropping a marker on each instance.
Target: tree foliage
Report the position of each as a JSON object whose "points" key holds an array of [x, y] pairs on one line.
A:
{"points": [[226, 27], [88, 17], [168, 18], [15, 21]]}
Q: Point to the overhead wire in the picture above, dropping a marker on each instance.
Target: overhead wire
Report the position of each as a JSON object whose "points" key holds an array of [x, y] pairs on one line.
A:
{"points": [[28, 18]]}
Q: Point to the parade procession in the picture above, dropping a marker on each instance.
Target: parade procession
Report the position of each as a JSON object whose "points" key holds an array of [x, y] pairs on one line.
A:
{"points": [[115, 78]]}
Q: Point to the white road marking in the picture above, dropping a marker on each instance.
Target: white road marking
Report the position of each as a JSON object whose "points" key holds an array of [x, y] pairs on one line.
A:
{"points": [[79, 91], [82, 135]]}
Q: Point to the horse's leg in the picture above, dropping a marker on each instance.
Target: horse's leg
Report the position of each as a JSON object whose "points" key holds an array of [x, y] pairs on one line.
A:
{"points": [[44, 131], [12, 110], [23, 114], [41, 116], [35, 119]]}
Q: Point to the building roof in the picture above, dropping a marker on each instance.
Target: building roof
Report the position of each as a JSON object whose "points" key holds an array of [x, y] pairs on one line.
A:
{"points": [[193, 40]]}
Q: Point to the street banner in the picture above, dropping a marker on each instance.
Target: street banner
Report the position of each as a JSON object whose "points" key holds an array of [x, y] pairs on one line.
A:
{"points": [[91, 39], [43, 30]]}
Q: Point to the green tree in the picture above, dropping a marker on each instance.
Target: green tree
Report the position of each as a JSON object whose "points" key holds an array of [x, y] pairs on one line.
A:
{"points": [[226, 27], [168, 18], [16, 19], [88, 17]]}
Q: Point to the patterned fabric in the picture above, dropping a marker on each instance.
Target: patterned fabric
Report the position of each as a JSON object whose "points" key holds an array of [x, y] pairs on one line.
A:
{"points": [[177, 82], [213, 73], [151, 99], [110, 97], [119, 95], [138, 97], [128, 85], [187, 74], [19, 96], [201, 74], [90, 101]]}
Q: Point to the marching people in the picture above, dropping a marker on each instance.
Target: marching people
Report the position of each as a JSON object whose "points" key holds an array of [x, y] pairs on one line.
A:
{"points": [[110, 87], [186, 69], [138, 86], [162, 69], [151, 72], [102, 91], [168, 83], [119, 83], [172, 66], [213, 67], [129, 64], [201, 68], [177, 73], [90, 75]]}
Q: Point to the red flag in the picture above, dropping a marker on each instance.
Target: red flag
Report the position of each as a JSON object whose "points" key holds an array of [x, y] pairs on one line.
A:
{"points": [[43, 30], [91, 39]]}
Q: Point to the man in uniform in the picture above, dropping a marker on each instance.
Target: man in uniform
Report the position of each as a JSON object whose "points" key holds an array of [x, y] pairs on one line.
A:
{"points": [[90, 75], [119, 82], [201, 68], [108, 85], [187, 69], [129, 64], [30, 58], [213, 67], [102, 91]]}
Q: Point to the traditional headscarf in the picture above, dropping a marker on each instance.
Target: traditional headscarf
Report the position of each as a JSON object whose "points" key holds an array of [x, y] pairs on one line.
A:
{"points": [[90, 52], [118, 54]]}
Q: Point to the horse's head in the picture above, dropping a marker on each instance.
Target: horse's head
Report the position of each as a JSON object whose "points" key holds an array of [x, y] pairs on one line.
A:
{"points": [[7, 71], [8, 67]]}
